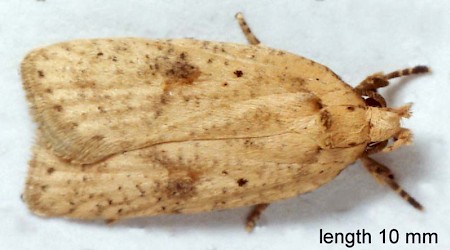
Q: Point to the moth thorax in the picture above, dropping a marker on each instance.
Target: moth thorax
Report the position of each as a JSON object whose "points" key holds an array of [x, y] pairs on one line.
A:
{"points": [[385, 122]]}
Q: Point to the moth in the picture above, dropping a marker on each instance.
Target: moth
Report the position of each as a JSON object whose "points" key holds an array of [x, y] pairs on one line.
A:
{"points": [[132, 127]]}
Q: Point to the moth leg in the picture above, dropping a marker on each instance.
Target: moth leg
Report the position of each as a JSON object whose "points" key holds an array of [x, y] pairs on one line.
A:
{"points": [[408, 71], [110, 221], [403, 137], [383, 175], [254, 216], [375, 147], [374, 99], [380, 80], [251, 38], [368, 87]]}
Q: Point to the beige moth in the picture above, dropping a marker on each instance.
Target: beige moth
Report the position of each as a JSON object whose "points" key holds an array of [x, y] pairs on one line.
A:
{"points": [[132, 127]]}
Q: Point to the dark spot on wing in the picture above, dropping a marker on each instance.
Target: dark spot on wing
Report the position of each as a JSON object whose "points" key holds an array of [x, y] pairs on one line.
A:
{"points": [[241, 182], [50, 171], [325, 119], [41, 74], [181, 188], [58, 108], [176, 71], [238, 73], [183, 72], [98, 137]]}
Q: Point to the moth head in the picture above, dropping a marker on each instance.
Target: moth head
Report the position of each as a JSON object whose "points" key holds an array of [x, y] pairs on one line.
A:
{"points": [[384, 124]]}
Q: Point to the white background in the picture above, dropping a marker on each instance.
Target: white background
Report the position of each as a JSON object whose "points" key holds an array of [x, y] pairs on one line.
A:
{"points": [[354, 38]]}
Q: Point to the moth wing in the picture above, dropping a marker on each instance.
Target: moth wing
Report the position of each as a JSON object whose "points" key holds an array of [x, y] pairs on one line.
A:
{"points": [[95, 98], [182, 177]]}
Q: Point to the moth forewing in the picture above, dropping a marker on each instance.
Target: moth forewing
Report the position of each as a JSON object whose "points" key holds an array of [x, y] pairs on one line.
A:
{"points": [[95, 98], [182, 177]]}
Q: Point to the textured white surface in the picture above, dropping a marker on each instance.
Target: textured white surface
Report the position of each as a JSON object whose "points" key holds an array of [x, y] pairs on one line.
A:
{"points": [[354, 38]]}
